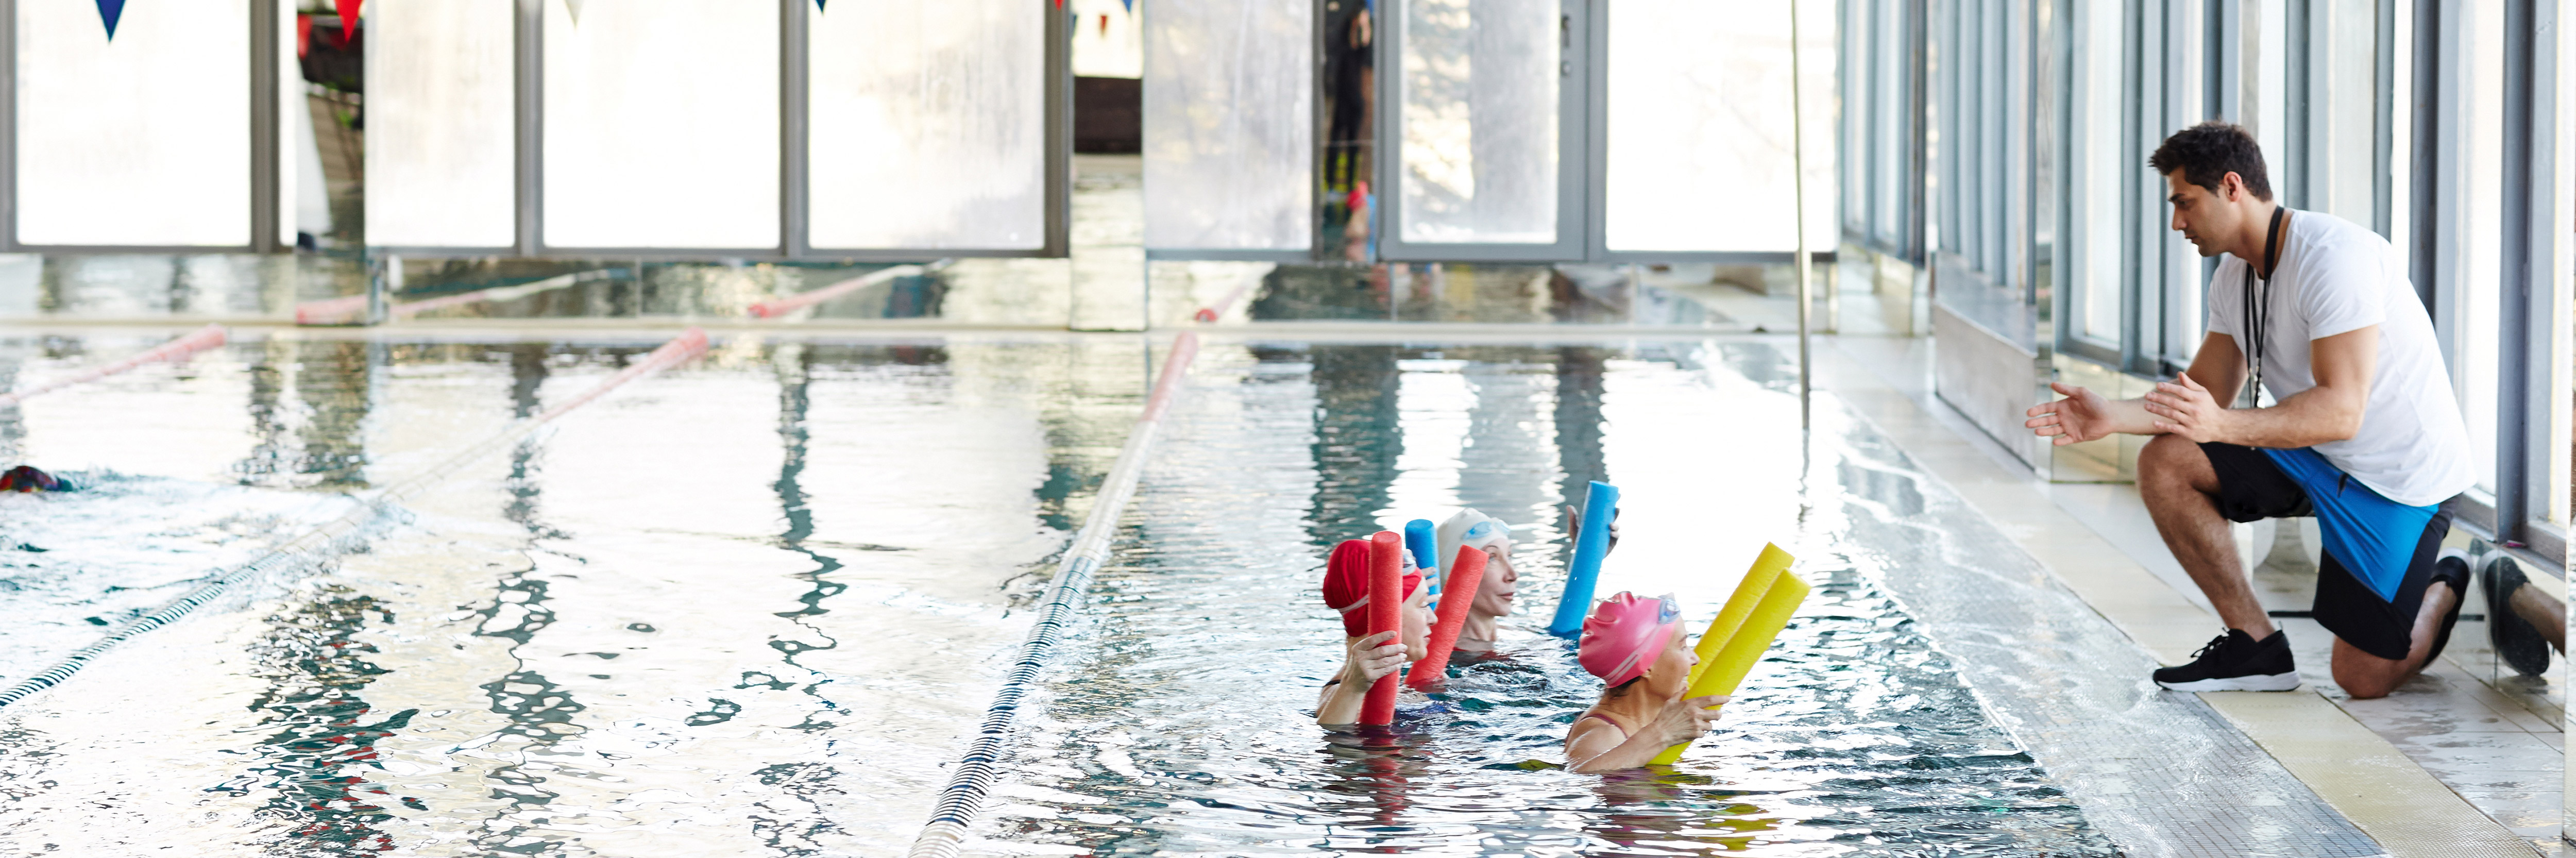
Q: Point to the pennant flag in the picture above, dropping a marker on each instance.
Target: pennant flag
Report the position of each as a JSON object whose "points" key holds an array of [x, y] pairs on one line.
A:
{"points": [[574, 7], [818, 5], [109, 11], [1130, 4], [348, 19]]}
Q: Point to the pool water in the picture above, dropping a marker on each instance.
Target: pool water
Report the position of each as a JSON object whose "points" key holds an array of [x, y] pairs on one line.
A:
{"points": [[1181, 721], [755, 605]]}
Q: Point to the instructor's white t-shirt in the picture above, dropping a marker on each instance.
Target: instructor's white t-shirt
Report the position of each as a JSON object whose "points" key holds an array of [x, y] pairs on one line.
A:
{"points": [[2337, 277]]}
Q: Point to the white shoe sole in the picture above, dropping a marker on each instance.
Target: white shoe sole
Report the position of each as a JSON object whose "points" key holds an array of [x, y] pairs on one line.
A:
{"points": [[2253, 682]]}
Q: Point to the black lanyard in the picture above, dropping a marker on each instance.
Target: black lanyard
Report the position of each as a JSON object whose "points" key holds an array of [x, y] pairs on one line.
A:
{"points": [[2259, 312]]}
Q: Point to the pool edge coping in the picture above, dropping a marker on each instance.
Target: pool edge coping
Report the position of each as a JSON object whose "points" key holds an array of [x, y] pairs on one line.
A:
{"points": [[2326, 753]]}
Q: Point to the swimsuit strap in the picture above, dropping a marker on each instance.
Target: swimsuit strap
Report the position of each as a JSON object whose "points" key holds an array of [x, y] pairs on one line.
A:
{"points": [[1604, 719]]}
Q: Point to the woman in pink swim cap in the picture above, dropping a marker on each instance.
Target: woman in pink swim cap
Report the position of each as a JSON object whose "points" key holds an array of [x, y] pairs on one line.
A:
{"points": [[1637, 646]]}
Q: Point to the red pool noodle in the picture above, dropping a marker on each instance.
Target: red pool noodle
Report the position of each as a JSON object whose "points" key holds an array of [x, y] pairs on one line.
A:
{"points": [[1385, 614], [1464, 574]]}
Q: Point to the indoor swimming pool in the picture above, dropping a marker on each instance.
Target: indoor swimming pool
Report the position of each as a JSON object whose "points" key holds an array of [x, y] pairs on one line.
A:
{"points": [[759, 602]]}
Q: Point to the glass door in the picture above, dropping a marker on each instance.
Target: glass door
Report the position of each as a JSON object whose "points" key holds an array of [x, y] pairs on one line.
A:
{"points": [[1480, 104]]}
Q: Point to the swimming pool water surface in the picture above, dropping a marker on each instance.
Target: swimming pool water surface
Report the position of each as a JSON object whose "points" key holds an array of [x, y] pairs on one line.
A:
{"points": [[755, 605]]}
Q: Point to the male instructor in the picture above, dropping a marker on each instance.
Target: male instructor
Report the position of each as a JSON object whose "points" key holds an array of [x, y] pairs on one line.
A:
{"points": [[2363, 432]]}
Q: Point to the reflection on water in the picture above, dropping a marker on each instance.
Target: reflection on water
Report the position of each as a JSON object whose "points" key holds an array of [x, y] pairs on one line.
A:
{"points": [[756, 605], [1180, 721], [309, 404]]}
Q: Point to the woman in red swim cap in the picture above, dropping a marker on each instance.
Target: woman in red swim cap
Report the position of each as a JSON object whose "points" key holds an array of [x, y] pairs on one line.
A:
{"points": [[1637, 646], [1365, 657]]}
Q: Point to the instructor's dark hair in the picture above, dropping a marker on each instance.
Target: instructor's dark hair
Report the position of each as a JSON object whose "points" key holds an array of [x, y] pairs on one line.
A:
{"points": [[2207, 152]]}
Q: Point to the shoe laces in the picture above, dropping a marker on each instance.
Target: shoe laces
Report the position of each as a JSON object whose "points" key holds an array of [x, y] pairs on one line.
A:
{"points": [[2211, 648]]}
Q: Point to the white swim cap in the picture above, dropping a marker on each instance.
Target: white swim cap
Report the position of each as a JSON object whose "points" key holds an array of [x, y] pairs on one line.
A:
{"points": [[1471, 529]]}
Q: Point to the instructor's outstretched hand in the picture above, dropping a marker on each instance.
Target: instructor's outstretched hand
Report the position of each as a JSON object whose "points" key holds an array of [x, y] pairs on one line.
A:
{"points": [[2183, 407], [2082, 416]]}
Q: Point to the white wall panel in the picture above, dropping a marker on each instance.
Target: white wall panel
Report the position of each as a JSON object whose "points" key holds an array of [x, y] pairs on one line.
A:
{"points": [[1230, 125], [2481, 289], [661, 124], [440, 158], [1699, 112], [143, 140], [927, 125], [1479, 97]]}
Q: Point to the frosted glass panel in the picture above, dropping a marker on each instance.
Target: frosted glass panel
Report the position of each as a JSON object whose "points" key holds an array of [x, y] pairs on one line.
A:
{"points": [[2481, 283], [928, 125], [661, 124], [2096, 175], [1230, 124], [440, 160], [141, 141], [1699, 110], [1480, 121]]}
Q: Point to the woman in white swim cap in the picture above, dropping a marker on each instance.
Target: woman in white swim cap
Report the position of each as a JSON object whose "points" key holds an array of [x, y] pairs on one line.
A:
{"points": [[1494, 597], [1472, 529]]}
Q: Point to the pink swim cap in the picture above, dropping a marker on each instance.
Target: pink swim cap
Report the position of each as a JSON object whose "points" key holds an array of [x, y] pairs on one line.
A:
{"points": [[1624, 635]]}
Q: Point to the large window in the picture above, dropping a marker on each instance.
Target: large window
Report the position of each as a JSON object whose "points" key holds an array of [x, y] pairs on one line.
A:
{"points": [[940, 106], [141, 140], [866, 129], [1230, 126]]}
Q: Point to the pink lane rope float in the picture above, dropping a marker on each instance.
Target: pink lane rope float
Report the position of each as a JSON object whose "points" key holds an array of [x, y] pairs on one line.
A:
{"points": [[776, 307], [346, 309], [210, 336]]}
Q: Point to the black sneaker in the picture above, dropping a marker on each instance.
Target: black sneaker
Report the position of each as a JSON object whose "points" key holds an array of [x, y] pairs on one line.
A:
{"points": [[2516, 641], [2235, 661], [2451, 567]]}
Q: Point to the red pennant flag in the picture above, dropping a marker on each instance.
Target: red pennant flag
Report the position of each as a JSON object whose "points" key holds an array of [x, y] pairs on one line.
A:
{"points": [[109, 11], [348, 19]]}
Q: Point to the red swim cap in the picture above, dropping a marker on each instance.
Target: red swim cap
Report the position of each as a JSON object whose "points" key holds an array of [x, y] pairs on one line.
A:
{"points": [[1346, 586]]}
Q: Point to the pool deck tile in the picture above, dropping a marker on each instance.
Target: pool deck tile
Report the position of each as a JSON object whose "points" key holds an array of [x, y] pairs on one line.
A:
{"points": [[2452, 766]]}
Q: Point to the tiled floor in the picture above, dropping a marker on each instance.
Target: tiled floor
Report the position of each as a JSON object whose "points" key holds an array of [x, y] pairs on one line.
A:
{"points": [[2494, 739]]}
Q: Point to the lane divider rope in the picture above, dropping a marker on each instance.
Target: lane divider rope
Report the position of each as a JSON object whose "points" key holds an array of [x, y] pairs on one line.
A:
{"points": [[339, 535], [963, 798], [1213, 312], [210, 336], [776, 307], [332, 311]]}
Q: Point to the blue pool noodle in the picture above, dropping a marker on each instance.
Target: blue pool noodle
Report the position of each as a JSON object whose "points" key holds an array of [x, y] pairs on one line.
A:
{"points": [[1417, 539], [1600, 504]]}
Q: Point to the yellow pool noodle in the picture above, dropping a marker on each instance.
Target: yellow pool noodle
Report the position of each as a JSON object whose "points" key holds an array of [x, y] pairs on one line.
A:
{"points": [[1745, 648], [1757, 581]]}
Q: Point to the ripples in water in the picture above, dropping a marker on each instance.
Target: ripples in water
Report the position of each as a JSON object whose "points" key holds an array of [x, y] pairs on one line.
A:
{"points": [[754, 607], [1181, 721]]}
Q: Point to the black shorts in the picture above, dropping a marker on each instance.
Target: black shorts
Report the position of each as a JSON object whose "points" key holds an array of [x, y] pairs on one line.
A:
{"points": [[2252, 488]]}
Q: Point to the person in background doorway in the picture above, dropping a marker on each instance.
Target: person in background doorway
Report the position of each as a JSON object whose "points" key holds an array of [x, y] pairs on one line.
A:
{"points": [[1354, 82], [2363, 431]]}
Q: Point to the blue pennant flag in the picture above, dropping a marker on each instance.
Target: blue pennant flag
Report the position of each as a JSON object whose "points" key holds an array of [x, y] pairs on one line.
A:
{"points": [[109, 11]]}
